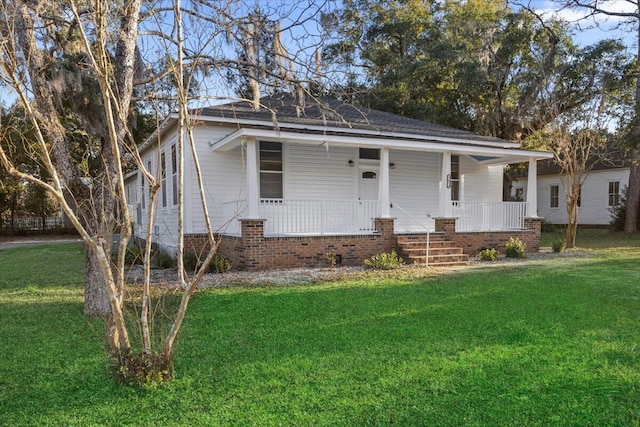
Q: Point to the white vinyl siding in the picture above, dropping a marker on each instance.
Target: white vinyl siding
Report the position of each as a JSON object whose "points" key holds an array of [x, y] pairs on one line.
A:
{"points": [[223, 176], [594, 206], [414, 186], [318, 173], [480, 183]]}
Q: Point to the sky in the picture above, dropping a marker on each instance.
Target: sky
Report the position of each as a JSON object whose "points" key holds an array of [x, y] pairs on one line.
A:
{"points": [[590, 29]]}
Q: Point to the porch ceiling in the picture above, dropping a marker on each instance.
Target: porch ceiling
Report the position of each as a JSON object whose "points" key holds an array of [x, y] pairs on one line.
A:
{"points": [[483, 154]]}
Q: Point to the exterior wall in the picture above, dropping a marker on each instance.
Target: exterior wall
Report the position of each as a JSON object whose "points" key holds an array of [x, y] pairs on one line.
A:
{"points": [[473, 242], [254, 251], [414, 185], [313, 172], [594, 209], [223, 178], [480, 183]]}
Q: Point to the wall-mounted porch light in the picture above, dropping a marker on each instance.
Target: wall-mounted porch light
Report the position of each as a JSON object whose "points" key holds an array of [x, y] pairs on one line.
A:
{"points": [[351, 164], [392, 165]]}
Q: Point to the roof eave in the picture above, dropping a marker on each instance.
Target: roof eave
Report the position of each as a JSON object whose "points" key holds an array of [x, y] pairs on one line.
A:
{"points": [[506, 155], [333, 129]]}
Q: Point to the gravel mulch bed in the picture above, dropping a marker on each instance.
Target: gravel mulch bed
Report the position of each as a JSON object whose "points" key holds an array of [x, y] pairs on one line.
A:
{"points": [[308, 276]]}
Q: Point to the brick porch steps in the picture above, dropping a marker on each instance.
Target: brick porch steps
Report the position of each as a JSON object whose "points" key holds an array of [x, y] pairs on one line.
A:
{"points": [[442, 252]]}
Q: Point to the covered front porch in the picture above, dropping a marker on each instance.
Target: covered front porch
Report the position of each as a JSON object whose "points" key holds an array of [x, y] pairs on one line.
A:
{"points": [[398, 184]]}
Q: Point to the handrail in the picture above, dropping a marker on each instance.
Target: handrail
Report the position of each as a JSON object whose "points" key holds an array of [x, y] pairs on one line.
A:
{"points": [[429, 231]]}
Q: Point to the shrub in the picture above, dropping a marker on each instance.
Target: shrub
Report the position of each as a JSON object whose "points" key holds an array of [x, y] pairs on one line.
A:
{"points": [[384, 261], [547, 227], [514, 248], [191, 260], [331, 259], [488, 254], [163, 260], [558, 245], [133, 255], [219, 264], [142, 370], [619, 212]]}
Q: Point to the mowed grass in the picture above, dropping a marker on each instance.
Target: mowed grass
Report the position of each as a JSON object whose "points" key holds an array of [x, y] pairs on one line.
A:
{"points": [[545, 342]]}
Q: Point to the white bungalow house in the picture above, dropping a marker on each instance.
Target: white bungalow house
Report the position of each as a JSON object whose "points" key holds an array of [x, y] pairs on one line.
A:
{"points": [[600, 191], [292, 182]]}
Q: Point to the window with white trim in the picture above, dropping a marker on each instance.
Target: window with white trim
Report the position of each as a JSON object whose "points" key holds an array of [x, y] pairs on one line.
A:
{"points": [[163, 171], [554, 196], [271, 170], [174, 174], [614, 193], [455, 178]]}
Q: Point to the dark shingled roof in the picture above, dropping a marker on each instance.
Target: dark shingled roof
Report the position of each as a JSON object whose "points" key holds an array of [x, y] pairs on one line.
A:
{"points": [[285, 110], [613, 158]]}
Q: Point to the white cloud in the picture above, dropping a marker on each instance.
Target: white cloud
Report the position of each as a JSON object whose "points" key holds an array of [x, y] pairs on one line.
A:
{"points": [[578, 14]]}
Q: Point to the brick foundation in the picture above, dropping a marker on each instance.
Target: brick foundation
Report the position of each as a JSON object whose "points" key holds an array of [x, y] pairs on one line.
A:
{"points": [[254, 251], [473, 242]]}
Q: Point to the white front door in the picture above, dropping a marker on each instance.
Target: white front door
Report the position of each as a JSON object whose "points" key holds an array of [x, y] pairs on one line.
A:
{"points": [[368, 186]]}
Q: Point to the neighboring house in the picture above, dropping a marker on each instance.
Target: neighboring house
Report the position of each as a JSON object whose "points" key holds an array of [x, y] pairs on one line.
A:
{"points": [[288, 184], [600, 191]]}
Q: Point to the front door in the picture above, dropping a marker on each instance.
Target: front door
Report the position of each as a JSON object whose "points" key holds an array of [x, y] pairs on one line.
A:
{"points": [[368, 184], [368, 193]]}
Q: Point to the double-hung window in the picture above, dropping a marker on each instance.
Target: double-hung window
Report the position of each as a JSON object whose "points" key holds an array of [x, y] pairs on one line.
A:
{"points": [[455, 178], [554, 196], [271, 170], [163, 167], [614, 193], [174, 174]]}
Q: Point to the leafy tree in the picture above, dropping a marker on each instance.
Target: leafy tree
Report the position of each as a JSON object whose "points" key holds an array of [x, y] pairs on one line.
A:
{"points": [[76, 71], [631, 127], [475, 65]]}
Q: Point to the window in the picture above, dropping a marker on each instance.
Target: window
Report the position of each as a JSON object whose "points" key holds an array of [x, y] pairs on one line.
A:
{"points": [[142, 191], [174, 174], [149, 169], [554, 192], [163, 169], [520, 194], [614, 193], [368, 175], [455, 178], [370, 153], [271, 176]]}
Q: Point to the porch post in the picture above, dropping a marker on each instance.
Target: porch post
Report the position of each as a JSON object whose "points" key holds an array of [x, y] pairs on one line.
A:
{"points": [[445, 186], [532, 189], [253, 194], [383, 188]]}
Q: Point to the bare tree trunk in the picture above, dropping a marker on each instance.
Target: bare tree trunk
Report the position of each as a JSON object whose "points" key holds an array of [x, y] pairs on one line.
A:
{"points": [[633, 199], [633, 189], [572, 221], [96, 296]]}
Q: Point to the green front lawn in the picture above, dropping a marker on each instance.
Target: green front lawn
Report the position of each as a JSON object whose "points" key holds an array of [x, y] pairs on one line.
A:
{"points": [[545, 342]]}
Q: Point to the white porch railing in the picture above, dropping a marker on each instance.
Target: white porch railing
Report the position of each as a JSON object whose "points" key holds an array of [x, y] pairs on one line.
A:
{"points": [[297, 216], [489, 216]]}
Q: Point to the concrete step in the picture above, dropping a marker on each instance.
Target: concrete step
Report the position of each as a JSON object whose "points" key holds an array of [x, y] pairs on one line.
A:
{"points": [[433, 237], [440, 260], [422, 245], [447, 250], [442, 252]]}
